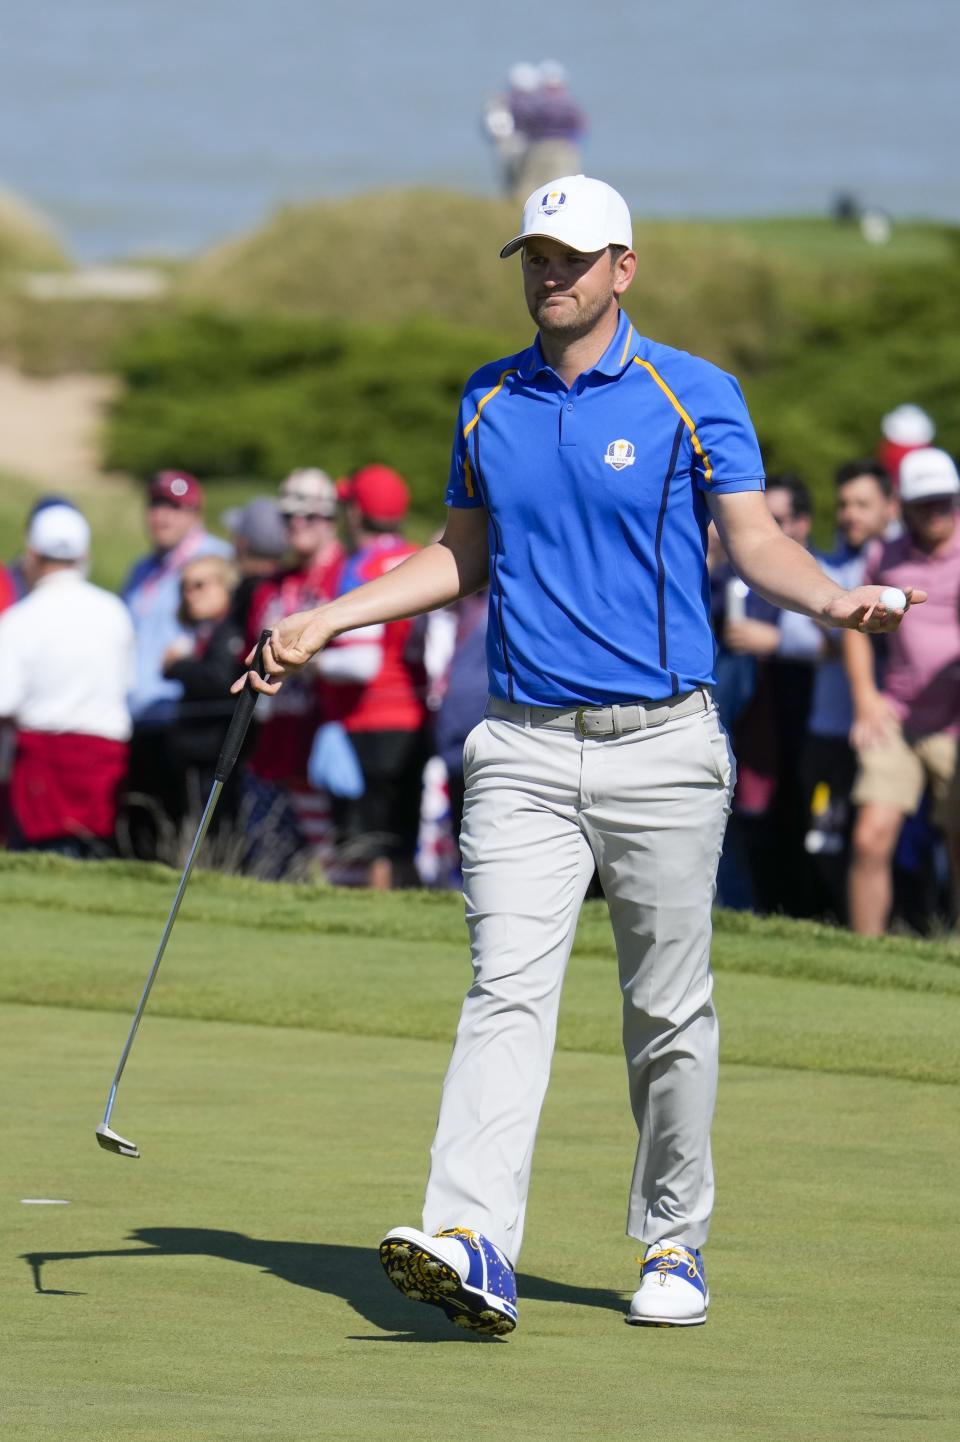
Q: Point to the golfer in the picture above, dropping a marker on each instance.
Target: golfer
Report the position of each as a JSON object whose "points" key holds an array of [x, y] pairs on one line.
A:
{"points": [[585, 470]]}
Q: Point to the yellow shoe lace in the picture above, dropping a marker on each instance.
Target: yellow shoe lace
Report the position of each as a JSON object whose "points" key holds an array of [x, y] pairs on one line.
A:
{"points": [[670, 1259], [461, 1232]]}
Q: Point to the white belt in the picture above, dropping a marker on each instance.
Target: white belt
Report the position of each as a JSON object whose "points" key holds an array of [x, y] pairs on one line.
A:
{"points": [[603, 720]]}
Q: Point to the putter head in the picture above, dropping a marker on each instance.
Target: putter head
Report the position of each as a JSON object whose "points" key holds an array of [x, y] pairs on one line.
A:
{"points": [[112, 1142]]}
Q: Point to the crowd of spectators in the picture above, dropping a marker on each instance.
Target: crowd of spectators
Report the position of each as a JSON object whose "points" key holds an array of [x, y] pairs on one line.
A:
{"points": [[112, 709]]}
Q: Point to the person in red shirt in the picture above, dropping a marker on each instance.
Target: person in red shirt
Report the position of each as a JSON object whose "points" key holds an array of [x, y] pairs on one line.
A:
{"points": [[376, 687], [308, 504]]}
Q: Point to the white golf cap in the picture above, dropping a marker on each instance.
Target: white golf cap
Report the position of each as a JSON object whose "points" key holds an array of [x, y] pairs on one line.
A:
{"points": [[927, 473], [308, 491], [59, 533], [585, 214]]}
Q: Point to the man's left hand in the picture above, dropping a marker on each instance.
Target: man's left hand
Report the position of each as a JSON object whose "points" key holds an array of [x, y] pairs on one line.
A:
{"points": [[861, 609]]}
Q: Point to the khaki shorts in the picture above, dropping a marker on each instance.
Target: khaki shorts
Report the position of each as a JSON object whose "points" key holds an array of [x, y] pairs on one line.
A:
{"points": [[896, 774]]}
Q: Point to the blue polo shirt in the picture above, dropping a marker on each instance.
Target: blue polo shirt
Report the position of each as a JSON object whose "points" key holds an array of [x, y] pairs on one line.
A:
{"points": [[596, 497]]}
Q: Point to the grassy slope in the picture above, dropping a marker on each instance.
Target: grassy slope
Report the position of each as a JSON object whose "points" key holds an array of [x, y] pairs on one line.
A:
{"points": [[224, 1286], [799, 996]]}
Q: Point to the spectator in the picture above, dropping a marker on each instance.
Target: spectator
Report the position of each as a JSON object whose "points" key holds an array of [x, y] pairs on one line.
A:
{"points": [[66, 661], [8, 590], [381, 690], [553, 126], [865, 509], [308, 505], [152, 593], [768, 816], [16, 573], [905, 728], [536, 127], [906, 428], [260, 542], [502, 122], [205, 664], [464, 698]]}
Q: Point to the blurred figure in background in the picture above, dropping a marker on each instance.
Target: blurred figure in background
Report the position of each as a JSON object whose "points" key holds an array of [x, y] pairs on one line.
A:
{"points": [[376, 689], [537, 127], [175, 527], [205, 663], [502, 122], [904, 429], [260, 543], [866, 508], [285, 806], [769, 817], [66, 663], [905, 727], [8, 591], [16, 574], [464, 697]]}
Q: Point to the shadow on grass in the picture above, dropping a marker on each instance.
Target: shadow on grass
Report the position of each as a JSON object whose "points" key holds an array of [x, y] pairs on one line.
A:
{"points": [[352, 1273]]}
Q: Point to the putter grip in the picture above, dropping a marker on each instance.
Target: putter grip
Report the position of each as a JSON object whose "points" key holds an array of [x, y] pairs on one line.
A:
{"points": [[241, 718]]}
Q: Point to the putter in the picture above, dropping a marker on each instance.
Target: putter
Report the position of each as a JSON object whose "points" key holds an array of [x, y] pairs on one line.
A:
{"points": [[239, 723]]}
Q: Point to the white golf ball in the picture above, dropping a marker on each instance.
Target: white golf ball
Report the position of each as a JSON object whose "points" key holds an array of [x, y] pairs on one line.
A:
{"points": [[893, 598]]}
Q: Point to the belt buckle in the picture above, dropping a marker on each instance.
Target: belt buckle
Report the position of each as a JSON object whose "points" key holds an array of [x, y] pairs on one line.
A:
{"points": [[578, 721]]}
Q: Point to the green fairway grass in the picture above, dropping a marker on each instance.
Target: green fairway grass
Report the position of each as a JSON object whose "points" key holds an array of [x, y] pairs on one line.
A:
{"points": [[283, 1091]]}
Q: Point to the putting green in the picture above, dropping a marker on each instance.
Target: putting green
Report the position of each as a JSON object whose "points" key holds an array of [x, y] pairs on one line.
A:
{"points": [[226, 1285]]}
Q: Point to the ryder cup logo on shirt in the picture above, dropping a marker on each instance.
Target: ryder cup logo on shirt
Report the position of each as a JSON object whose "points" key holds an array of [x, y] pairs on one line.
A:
{"points": [[551, 201], [620, 454]]}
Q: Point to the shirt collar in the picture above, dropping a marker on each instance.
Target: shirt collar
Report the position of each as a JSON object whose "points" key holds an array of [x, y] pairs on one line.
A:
{"points": [[619, 353], [68, 575]]}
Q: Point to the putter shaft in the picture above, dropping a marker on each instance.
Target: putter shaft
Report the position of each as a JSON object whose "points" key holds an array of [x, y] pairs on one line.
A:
{"points": [[205, 820]]}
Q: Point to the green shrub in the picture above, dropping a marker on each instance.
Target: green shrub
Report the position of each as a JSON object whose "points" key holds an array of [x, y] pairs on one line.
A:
{"points": [[825, 336], [228, 396]]}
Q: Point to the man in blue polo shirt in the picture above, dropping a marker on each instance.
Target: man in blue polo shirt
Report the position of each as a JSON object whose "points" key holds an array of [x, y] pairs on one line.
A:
{"points": [[584, 472]]}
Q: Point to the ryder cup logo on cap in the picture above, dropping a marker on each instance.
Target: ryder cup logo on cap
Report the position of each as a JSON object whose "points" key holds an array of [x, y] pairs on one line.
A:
{"points": [[620, 454], [926, 473], [552, 201], [585, 214]]}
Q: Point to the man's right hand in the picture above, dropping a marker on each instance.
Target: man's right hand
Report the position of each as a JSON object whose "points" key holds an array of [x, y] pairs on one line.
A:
{"points": [[874, 722], [293, 641]]}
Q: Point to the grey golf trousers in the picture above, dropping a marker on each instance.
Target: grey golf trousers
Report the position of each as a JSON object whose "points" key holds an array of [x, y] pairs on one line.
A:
{"points": [[649, 807]]}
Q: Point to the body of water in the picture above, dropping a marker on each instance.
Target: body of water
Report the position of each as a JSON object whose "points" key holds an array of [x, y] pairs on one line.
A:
{"points": [[145, 126]]}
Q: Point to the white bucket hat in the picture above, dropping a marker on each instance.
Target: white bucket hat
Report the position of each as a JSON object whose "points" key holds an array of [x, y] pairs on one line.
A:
{"points": [[586, 214]]}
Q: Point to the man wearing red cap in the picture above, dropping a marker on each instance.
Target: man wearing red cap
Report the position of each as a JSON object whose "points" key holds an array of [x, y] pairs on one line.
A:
{"points": [[152, 593], [376, 688]]}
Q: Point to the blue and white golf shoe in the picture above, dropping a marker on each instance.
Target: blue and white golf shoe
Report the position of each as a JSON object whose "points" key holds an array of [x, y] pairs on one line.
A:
{"points": [[459, 1271], [673, 1288]]}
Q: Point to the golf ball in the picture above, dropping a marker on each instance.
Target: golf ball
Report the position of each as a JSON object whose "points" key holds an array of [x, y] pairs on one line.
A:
{"points": [[893, 598]]}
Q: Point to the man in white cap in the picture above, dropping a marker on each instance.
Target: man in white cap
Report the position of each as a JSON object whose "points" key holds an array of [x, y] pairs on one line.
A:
{"points": [[905, 728], [66, 664], [585, 469]]}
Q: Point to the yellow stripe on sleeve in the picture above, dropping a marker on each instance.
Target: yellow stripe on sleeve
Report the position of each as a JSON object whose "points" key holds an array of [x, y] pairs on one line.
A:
{"points": [[488, 397], [694, 438]]}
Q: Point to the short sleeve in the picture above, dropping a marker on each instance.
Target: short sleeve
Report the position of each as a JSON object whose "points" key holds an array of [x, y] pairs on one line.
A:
{"points": [[463, 492], [726, 451]]}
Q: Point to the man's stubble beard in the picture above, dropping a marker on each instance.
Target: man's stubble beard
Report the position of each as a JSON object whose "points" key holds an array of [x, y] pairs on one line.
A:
{"points": [[576, 326]]}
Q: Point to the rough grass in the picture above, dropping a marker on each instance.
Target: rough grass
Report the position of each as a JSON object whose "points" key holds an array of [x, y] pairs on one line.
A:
{"points": [[226, 1286], [27, 241]]}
